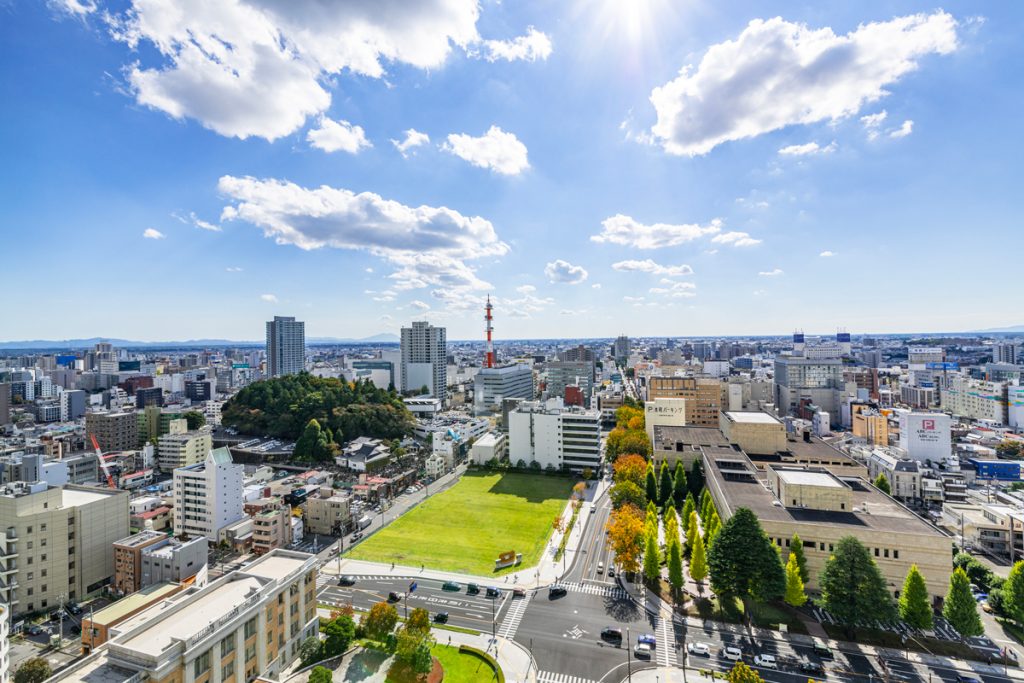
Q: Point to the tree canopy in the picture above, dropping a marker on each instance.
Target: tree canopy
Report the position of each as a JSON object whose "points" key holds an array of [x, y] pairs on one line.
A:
{"points": [[679, 487], [882, 484], [795, 594], [852, 588], [796, 548], [665, 485], [627, 493], [630, 467], [34, 670], [340, 631], [960, 608], [283, 406], [743, 562], [914, 605], [695, 480], [1013, 592], [380, 620], [625, 536], [321, 674]]}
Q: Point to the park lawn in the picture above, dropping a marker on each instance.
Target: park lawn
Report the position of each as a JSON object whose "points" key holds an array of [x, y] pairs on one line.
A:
{"points": [[465, 528], [462, 668]]}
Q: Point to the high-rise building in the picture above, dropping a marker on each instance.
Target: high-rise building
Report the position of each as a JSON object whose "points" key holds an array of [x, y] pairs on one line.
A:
{"points": [[286, 346], [182, 449], [207, 496], [564, 373], [5, 629], [703, 396], [491, 385], [1005, 353], [5, 403], [814, 380], [621, 348], [113, 431], [72, 404], [424, 359]]}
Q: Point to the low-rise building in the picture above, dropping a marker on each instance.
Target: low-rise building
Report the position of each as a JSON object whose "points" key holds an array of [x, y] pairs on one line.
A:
{"points": [[328, 515], [173, 560], [364, 454], [183, 449], [490, 446], [96, 627], [272, 526], [128, 560]]}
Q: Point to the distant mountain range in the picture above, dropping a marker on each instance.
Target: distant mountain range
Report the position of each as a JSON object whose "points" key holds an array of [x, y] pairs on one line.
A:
{"points": [[59, 344], [1014, 328]]}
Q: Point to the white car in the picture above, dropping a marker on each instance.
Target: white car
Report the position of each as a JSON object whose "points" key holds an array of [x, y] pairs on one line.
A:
{"points": [[767, 661], [702, 649], [642, 650], [731, 653]]}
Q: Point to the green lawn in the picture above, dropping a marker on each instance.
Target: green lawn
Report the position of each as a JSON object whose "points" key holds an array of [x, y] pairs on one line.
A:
{"points": [[465, 528], [462, 668]]}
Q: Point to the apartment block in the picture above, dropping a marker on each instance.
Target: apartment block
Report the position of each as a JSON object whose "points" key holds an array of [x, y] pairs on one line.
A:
{"points": [[128, 560], [974, 399], [328, 515], [113, 431], [555, 436], [272, 524], [183, 449], [208, 496], [286, 346]]}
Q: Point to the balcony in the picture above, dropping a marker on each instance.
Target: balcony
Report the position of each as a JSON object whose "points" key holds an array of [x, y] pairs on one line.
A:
{"points": [[10, 568], [12, 534], [8, 551]]}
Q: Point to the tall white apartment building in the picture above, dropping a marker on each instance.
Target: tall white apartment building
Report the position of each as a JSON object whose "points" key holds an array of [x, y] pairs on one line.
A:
{"points": [[286, 346], [424, 359], [208, 496], [974, 399], [549, 433]]}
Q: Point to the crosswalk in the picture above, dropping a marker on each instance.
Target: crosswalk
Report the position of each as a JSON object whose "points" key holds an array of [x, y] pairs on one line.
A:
{"points": [[666, 650], [552, 677], [592, 589], [512, 618]]}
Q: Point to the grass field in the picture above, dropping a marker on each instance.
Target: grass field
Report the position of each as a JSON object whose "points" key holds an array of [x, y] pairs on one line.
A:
{"points": [[465, 528]]}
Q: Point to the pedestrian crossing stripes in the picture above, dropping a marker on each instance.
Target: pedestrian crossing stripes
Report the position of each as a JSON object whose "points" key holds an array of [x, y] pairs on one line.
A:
{"points": [[666, 650], [552, 677], [513, 617], [591, 589]]}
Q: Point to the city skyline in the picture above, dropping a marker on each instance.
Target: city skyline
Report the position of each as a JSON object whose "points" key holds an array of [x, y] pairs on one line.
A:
{"points": [[660, 185]]}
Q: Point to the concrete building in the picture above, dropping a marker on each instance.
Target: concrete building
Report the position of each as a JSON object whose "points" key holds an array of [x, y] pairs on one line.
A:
{"points": [[661, 412], [173, 560], [554, 436], [246, 624], [57, 542], [5, 644], [823, 508], [128, 560], [973, 399], [72, 404], [272, 524], [328, 515], [424, 359], [96, 627], [183, 449], [621, 348], [1015, 406], [5, 403], [490, 446], [926, 437], [818, 381], [1006, 352], [286, 346], [116, 431], [492, 385], [870, 424], [904, 475], [208, 496], [703, 396], [560, 374]]}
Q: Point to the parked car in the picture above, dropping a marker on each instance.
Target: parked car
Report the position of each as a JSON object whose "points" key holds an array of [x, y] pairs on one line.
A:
{"points": [[700, 649], [731, 653], [767, 661], [612, 634], [811, 667], [987, 607], [648, 639], [441, 617], [395, 596], [642, 651], [821, 649], [451, 586], [472, 589], [556, 591], [33, 630], [493, 592], [346, 580]]}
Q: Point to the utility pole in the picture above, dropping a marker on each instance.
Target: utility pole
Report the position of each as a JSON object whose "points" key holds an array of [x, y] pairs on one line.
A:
{"points": [[60, 617], [494, 637], [629, 657]]}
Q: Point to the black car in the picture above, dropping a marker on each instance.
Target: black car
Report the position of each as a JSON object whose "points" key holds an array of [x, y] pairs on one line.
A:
{"points": [[965, 678], [612, 634], [441, 617], [493, 592], [472, 589], [394, 596], [346, 580], [813, 668], [557, 591]]}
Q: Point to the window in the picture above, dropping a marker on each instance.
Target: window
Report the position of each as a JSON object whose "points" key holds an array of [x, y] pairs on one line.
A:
{"points": [[250, 652], [876, 552], [201, 664], [887, 553], [42, 542], [809, 544], [44, 588], [28, 544], [227, 646], [28, 530], [821, 546], [42, 527], [29, 577], [42, 573], [42, 558], [228, 670], [895, 554], [30, 591], [250, 628], [270, 637]]}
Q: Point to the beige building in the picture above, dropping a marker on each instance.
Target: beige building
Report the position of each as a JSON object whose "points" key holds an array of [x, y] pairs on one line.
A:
{"points": [[247, 624], [327, 515], [870, 424], [57, 541], [703, 396], [183, 448], [272, 524], [755, 433], [822, 508], [113, 431], [96, 628], [128, 560]]}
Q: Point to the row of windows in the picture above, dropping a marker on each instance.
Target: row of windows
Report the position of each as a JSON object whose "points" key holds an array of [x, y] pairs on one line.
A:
{"points": [[883, 553]]}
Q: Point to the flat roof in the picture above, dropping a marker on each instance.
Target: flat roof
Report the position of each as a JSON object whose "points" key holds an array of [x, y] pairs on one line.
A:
{"points": [[670, 435], [213, 603], [76, 497], [276, 566], [807, 478], [125, 606], [751, 417]]}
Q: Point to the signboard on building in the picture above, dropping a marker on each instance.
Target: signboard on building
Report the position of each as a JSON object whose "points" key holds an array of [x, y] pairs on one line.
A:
{"points": [[664, 411], [942, 366], [926, 436]]}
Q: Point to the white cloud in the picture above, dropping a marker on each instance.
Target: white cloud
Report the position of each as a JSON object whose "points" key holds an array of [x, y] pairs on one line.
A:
{"points": [[233, 269], [565, 273], [827, 254], [153, 234], [632, 299], [736, 239], [419, 305], [650, 266], [193, 219], [338, 136], [526, 289], [778, 73], [872, 122], [497, 150], [384, 296], [428, 245], [534, 46], [903, 131], [368, 269], [75, 8], [624, 230], [775, 272], [596, 285], [807, 149], [256, 68], [759, 292], [413, 138], [269, 298], [675, 290]]}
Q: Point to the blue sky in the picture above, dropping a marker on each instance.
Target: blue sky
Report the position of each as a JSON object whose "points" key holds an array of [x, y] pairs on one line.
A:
{"points": [[597, 167]]}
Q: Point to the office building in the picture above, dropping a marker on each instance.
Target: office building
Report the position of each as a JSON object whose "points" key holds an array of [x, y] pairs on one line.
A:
{"points": [[128, 560], [870, 424], [5, 403], [199, 390], [183, 449], [72, 404], [554, 436], [492, 385], [96, 626], [208, 496], [904, 475], [57, 542], [621, 348], [286, 346], [816, 381], [328, 515], [424, 360], [1005, 352], [116, 431], [1015, 406], [569, 373], [173, 560], [703, 396], [926, 437], [247, 624], [151, 396]]}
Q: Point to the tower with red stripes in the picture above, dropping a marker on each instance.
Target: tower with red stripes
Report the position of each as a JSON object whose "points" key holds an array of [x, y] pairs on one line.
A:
{"points": [[489, 359]]}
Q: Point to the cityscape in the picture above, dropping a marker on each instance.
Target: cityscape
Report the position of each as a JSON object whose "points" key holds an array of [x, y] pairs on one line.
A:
{"points": [[461, 341]]}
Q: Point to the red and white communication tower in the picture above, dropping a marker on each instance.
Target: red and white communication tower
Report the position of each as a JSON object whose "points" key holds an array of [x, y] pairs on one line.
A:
{"points": [[489, 359]]}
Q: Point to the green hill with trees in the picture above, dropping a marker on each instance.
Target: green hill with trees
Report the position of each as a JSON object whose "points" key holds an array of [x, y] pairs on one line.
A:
{"points": [[284, 406]]}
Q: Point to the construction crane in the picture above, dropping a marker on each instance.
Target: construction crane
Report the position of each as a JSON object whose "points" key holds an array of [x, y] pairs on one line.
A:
{"points": [[103, 463]]}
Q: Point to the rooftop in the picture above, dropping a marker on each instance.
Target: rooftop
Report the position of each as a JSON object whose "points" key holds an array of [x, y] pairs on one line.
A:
{"points": [[125, 606], [804, 477], [751, 417], [667, 436]]}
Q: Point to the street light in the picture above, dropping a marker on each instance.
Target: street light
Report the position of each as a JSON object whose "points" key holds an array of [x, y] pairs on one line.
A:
{"points": [[629, 658]]}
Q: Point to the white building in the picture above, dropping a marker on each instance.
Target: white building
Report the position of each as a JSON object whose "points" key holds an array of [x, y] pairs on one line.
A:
{"points": [[488, 447], [286, 346], [1015, 406], [492, 385], [974, 399], [552, 435], [208, 496], [926, 436], [424, 359], [5, 645]]}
